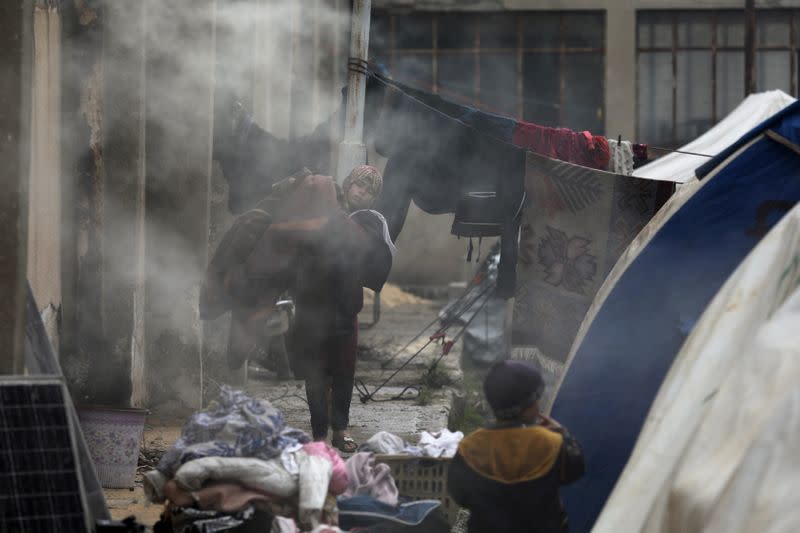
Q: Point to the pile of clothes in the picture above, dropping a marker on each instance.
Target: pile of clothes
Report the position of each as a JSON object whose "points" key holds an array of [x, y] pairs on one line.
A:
{"points": [[238, 458], [439, 444], [237, 466]]}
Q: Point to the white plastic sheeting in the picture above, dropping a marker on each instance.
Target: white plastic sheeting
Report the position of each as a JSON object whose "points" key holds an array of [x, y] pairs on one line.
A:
{"points": [[718, 452], [753, 110]]}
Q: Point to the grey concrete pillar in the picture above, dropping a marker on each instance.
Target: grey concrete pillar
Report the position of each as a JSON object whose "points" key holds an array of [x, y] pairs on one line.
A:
{"points": [[82, 337], [123, 229], [15, 34], [179, 123], [621, 71]]}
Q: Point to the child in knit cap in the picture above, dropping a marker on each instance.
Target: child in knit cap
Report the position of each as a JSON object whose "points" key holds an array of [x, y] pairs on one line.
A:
{"points": [[508, 475]]}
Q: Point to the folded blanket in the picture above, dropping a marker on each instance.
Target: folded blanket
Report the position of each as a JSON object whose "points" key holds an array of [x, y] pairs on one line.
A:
{"points": [[265, 476], [367, 478], [222, 497]]}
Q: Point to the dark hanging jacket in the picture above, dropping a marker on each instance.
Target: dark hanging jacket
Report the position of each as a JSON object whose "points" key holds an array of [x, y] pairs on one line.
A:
{"points": [[509, 478], [252, 159], [440, 160]]}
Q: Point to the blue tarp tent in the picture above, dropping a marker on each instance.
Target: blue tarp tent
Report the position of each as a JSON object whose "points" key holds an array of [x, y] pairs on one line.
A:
{"points": [[617, 368]]}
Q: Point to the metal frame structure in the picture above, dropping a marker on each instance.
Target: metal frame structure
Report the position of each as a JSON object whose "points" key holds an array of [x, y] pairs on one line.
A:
{"points": [[673, 16], [393, 52]]}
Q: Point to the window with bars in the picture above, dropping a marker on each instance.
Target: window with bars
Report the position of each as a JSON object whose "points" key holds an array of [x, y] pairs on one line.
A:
{"points": [[547, 68], [691, 67]]}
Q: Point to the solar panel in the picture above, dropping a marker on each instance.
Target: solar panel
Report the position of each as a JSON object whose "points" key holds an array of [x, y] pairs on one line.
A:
{"points": [[40, 360], [40, 483]]}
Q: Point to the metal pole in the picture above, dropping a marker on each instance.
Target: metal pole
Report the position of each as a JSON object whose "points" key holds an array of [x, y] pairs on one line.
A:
{"points": [[296, 14], [352, 150], [750, 47]]}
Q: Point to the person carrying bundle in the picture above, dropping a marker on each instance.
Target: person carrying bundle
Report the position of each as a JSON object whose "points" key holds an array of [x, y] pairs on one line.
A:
{"points": [[301, 239]]}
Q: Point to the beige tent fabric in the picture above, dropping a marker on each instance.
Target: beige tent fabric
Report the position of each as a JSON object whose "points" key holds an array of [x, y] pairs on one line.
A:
{"points": [[44, 197], [718, 452]]}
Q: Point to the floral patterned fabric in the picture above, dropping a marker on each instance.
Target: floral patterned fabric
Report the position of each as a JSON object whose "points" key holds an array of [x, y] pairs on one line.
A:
{"points": [[235, 425], [577, 223]]}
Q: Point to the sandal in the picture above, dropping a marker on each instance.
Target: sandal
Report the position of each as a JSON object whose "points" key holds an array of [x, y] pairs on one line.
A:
{"points": [[345, 444]]}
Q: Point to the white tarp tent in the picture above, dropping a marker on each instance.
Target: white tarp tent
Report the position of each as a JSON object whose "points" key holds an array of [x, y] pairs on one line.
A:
{"points": [[718, 451], [753, 110]]}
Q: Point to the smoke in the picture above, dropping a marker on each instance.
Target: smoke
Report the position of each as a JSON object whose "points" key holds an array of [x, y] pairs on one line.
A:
{"points": [[148, 88]]}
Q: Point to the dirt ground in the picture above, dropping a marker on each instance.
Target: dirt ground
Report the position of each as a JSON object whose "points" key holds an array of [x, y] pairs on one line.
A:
{"points": [[402, 317]]}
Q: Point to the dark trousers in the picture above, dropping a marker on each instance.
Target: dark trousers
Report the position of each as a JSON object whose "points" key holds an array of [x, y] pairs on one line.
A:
{"points": [[329, 402]]}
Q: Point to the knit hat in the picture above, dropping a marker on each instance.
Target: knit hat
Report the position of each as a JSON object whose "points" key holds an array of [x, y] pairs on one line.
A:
{"points": [[367, 174], [511, 387]]}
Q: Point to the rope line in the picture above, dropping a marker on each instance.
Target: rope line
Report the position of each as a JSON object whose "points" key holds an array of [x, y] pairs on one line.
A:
{"points": [[660, 149], [395, 85]]}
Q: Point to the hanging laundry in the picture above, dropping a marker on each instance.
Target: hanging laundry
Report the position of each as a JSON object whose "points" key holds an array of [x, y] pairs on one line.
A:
{"points": [[640, 155], [580, 148], [424, 165], [252, 159], [453, 168], [576, 225], [446, 157], [495, 126], [621, 160]]}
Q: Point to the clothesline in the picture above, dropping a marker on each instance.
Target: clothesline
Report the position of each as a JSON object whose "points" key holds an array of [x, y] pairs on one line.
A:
{"points": [[558, 144], [482, 106], [395, 85], [671, 150]]}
